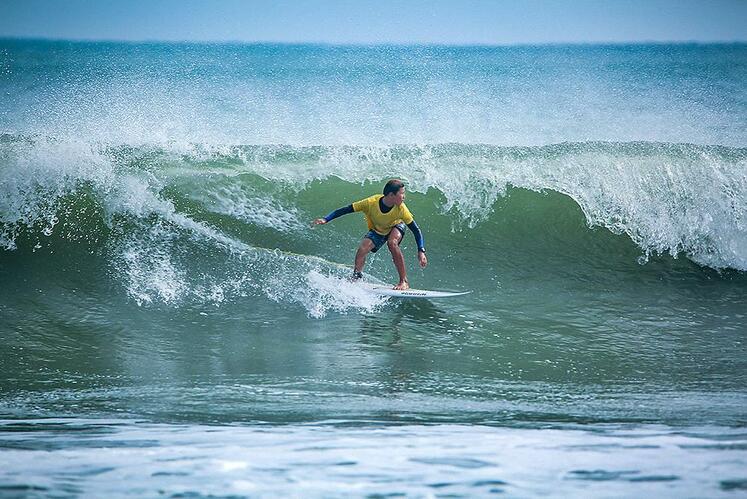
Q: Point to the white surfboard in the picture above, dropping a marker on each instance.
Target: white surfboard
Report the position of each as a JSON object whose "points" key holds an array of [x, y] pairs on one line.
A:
{"points": [[386, 290]]}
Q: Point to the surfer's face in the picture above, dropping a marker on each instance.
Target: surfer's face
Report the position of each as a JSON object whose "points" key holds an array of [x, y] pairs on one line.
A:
{"points": [[399, 197]]}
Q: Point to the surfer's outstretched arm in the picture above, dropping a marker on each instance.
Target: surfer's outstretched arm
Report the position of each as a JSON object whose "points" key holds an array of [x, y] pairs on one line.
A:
{"points": [[337, 213], [422, 259]]}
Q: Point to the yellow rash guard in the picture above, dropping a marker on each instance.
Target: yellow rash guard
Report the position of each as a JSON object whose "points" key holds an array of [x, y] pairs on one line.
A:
{"points": [[380, 222]]}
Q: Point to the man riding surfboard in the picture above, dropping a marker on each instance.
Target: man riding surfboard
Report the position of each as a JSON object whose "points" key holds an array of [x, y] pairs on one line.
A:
{"points": [[386, 216]]}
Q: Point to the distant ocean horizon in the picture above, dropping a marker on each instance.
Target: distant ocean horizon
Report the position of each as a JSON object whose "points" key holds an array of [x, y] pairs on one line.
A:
{"points": [[379, 44]]}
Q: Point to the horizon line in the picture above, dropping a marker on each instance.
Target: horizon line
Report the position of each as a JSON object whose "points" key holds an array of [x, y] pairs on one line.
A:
{"points": [[372, 44]]}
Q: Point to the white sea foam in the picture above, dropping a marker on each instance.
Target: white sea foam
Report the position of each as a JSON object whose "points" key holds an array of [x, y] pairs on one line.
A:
{"points": [[256, 208], [148, 252], [465, 460], [36, 174]]}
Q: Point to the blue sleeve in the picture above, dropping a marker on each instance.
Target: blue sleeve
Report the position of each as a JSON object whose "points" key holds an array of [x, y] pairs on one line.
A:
{"points": [[418, 235], [339, 212]]}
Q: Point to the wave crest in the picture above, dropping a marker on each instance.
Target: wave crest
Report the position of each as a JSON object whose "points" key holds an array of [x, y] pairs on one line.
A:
{"points": [[668, 198]]}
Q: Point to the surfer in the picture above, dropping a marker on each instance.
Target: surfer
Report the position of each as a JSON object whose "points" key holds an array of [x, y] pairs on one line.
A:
{"points": [[386, 216]]}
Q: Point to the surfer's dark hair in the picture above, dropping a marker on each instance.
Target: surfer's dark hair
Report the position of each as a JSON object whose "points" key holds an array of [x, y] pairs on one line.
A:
{"points": [[394, 186]]}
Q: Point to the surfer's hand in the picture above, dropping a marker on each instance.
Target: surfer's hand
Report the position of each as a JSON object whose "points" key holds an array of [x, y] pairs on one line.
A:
{"points": [[319, 221], [422, 259]]}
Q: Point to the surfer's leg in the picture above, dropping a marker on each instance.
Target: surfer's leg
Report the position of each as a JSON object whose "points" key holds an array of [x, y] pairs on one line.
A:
{"points": [[393, 241], [360, 257]]}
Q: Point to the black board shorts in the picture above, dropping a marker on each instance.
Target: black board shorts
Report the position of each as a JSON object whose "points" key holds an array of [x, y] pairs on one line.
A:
{"points": [[379, 240]]}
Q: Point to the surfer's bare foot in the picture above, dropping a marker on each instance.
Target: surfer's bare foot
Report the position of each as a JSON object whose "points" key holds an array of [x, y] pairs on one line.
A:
{"points": [[356, 276], [403, 285]]}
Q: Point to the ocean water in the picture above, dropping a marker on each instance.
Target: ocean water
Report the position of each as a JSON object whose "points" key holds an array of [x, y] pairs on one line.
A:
{"points": [[172, 325]]}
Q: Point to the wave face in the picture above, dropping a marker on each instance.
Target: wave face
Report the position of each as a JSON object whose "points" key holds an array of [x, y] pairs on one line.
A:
{"points": [[162, 212]]}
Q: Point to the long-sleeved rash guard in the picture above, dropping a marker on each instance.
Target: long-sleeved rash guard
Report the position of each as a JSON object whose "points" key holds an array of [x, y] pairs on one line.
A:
{"points": [[381, 218]]}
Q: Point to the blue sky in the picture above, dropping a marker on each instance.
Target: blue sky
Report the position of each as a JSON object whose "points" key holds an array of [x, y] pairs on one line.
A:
{"points": [[383, 21]]}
